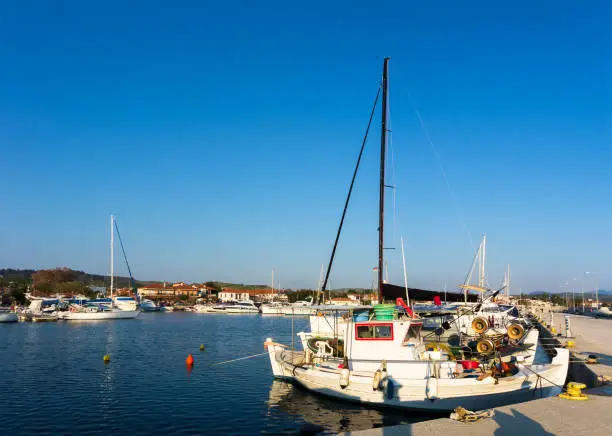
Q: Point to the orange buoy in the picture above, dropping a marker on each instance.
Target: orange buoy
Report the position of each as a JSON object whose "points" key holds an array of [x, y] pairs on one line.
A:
{"points": [[189, 360]]}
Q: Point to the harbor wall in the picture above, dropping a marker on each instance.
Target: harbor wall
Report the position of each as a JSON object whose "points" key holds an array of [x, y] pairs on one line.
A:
{"points": [[578, 370]]}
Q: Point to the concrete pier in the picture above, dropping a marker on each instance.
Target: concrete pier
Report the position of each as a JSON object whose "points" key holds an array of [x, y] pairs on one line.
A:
{"points": [[590, 336], [548, 416]]}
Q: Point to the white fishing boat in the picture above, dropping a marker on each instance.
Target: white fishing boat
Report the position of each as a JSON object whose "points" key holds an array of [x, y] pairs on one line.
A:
{"points": [[386, 364], [6, 315], [274, 308], [377, 355], [147, 305], [300, 308], [244, 307], [94, 312], [487, 314]]}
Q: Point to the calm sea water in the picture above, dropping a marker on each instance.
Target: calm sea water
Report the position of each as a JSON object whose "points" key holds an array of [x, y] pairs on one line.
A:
{"points": [[53, 380]]}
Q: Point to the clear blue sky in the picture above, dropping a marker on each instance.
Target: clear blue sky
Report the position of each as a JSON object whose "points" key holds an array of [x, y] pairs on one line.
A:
{"points": [[223, 136]]}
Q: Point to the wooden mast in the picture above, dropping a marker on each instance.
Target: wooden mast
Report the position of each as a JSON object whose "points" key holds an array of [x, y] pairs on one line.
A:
{"points": [[381, 206]]}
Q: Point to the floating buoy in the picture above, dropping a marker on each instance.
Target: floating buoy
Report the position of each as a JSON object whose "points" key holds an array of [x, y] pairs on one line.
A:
{"points": [[571, 344], [189, 360], [201, 347], [106, 358]]}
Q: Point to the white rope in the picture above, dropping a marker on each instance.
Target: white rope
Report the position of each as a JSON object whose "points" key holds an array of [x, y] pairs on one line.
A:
{"points": [[240, 358]]}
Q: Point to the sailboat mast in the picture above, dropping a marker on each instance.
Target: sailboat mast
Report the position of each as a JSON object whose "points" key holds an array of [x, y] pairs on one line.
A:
{"points": [[112, 254], [481, 272], [381, 206], [508, 282]]}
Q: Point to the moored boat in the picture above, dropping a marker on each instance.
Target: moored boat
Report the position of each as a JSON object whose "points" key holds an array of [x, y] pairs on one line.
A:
{"points": [[273, 308], [119, 308], [244, 307], [125, 303], [377, 355], [147, 305], [6, 315], [300, 308]]}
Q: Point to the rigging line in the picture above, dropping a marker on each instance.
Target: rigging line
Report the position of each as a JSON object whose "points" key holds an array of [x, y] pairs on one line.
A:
{"points": [[393, 176], [470, 311], [348, 197], [441, 167], [124, 255]]}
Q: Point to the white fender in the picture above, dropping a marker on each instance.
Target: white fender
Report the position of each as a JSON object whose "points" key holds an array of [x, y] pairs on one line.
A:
{"points": [[431, 389], [344, 378], [376, 380]]}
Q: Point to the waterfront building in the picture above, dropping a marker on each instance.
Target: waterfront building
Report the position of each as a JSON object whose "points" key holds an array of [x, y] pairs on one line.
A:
{"points": [[233, 295]]}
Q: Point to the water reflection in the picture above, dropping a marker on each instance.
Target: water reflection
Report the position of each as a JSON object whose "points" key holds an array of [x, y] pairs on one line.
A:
{"points": [[55, 380], [322, 414]]}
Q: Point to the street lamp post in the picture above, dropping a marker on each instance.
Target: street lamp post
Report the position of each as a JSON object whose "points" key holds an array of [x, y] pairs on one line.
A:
{"points": [[564, 288], [574, 295], [583, 275], [596, 288], [597, 292]]}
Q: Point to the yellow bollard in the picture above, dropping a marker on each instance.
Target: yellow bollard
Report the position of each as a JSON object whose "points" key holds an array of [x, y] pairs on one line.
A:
{"points": [[574, 392], [571, 344], [553, 330]]}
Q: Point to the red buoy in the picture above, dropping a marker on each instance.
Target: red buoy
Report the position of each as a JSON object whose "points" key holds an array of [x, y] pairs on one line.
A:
{"points": [[189, 360]]}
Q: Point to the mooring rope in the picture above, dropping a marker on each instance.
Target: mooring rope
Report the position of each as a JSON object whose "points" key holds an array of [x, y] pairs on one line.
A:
{"points": [[240, 358]]}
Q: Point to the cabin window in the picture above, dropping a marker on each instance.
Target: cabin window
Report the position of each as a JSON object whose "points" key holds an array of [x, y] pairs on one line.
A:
{"points": [[413, 331], [376, 332], [413, 334]]}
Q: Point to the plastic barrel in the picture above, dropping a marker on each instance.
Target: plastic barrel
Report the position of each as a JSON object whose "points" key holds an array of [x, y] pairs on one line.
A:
{"points": [[384, 312]]}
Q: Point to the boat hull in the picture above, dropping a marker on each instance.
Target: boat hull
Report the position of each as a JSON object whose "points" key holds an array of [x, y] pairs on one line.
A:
{"points": [[242, 311], [427, 393], [95, 316], [9, 317], [272, 310]]}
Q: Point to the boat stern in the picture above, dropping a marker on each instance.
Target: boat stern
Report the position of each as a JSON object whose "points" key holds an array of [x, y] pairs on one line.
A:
{"points": [[561, 361]]}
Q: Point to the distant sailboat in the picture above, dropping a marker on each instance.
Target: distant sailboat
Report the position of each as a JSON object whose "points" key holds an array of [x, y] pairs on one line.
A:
{"points": [[91, 312]]}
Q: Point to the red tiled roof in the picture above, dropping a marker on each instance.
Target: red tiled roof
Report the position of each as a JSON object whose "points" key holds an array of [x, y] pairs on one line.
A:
{"points": [[153, 286], [252, 291]]}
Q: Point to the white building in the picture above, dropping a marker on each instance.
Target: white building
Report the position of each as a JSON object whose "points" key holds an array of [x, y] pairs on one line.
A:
{"points": [[233, 296]]}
